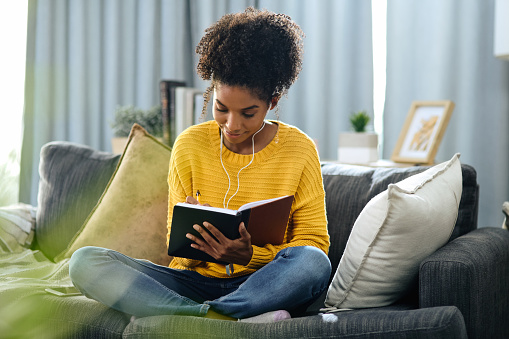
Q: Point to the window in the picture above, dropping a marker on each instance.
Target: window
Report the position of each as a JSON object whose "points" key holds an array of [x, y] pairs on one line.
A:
{"points": [[379, 26], [13, 31]]}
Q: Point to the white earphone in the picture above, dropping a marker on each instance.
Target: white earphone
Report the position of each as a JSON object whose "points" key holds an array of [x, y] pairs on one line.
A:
{"points": [[225, 204], [229, 267]]}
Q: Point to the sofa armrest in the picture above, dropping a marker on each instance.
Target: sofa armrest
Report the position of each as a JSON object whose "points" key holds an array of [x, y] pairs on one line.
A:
{"points": [[471, 273]]}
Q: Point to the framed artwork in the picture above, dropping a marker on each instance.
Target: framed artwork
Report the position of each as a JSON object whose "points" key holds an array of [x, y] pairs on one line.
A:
{"points": [[422, 132]]}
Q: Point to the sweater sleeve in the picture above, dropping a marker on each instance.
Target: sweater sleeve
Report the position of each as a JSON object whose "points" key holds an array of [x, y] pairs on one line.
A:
{"points": [[176, 194], [308, 221]]}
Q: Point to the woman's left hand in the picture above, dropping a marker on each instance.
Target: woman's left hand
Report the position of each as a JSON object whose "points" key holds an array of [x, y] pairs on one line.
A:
{"points": [[237, 251]]}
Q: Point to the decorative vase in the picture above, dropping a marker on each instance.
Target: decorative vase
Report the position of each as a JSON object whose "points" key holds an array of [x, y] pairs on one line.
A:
{"points": [[358, 147]]}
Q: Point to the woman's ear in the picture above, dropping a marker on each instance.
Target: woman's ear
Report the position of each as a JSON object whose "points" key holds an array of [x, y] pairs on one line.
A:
{"points": [[273, 102]]}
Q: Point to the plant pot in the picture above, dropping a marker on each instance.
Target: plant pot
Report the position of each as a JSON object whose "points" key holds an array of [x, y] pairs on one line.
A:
{"points": [[358, 148], [118, 144]]}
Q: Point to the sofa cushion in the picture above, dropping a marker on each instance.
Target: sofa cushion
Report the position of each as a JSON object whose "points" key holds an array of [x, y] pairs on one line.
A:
{"points": [[132, 213], [438, 322], [42, 315], [349, 188], [17, 227], [394, 232], [72, 179]]}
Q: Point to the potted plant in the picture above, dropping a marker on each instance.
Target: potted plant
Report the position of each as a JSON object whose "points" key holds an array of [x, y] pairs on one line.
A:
{"points": [[126, 116], [359, 146]]}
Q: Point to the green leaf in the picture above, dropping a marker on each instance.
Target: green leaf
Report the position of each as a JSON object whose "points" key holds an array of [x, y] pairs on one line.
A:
{"points": [[127, 116], [359, 121]]}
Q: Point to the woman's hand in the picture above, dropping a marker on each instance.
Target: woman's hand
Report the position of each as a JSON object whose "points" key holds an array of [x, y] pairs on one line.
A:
{"points": [[238, 251], [193, 201]]}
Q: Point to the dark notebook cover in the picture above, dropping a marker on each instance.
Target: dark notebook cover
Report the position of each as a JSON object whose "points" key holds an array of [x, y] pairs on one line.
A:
{"points": [[265, 220]]}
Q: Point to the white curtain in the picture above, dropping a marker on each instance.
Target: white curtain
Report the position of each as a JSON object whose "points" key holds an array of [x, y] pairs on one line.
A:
{"points": [[337, 76], [443, 50], [85, 57]]}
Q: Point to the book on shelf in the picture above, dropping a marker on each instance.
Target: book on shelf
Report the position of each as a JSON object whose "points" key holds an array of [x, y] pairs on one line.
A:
{"points": [[184, 108], [167, 90], [265, 220]]}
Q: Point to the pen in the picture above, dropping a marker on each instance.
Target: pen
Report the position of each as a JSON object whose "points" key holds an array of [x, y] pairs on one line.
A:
{"points": [[229, 269], [198, 195]]}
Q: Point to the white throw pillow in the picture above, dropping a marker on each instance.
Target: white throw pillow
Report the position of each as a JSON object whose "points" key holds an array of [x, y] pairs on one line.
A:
{"points": [[395, 231]]}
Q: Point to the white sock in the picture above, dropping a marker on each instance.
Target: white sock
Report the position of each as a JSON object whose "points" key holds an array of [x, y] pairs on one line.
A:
{"points": [[269, 317]]}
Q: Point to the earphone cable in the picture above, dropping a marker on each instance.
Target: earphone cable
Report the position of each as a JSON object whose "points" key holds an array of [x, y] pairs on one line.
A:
{"points": [[238, 173]]}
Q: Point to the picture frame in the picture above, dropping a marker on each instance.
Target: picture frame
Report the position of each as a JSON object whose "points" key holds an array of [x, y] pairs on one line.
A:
{"points": [[422, 132]]}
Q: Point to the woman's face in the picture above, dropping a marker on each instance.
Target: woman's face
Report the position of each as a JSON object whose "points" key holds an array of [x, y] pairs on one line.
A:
{"points": [[239, 114]]}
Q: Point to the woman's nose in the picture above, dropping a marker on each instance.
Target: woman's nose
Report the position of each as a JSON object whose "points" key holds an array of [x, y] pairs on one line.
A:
{"points": [[233, 123]]}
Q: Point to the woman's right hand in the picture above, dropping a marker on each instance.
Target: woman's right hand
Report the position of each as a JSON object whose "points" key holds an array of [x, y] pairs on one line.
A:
{"points": [[192, 200]]}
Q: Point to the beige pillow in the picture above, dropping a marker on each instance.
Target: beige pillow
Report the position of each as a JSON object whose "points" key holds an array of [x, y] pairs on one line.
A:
{"points": [[394, 232], [132, 213]]}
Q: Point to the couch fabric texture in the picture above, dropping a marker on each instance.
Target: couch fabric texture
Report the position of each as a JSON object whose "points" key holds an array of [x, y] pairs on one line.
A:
{"points": [[461, 291]]}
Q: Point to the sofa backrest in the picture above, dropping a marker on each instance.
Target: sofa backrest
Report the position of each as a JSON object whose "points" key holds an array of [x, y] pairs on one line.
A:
{"points": [[349, 188]]}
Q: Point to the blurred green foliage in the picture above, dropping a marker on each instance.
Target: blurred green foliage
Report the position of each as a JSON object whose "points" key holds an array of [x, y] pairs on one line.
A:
{"points": [[126, 116], [9, 179]]}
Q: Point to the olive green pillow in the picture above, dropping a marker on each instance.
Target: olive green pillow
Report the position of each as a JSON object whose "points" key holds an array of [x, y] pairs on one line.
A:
{"points": [[132, 213]]}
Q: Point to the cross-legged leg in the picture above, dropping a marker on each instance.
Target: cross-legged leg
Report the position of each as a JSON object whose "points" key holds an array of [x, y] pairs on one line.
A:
{"points": [[141, 288], [296, 275]]}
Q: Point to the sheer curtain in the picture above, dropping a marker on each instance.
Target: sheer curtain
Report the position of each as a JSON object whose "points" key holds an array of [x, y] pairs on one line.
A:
{"points": [[337, 76], [85, 57], [439, 50]]}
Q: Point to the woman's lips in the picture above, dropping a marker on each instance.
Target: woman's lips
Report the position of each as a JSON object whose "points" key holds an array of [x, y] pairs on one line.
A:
{"points": [[232, 135]]}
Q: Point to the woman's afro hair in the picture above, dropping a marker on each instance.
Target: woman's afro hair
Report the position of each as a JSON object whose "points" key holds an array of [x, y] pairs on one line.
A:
{"points": [[258, 50]]}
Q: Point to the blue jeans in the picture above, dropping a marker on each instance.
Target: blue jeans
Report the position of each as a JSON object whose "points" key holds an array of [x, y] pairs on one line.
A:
{"points": [[297, 275]]}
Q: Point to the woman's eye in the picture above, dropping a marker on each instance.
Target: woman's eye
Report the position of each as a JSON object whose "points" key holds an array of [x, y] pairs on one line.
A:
{"points": [[249, 114], [221, 110]]}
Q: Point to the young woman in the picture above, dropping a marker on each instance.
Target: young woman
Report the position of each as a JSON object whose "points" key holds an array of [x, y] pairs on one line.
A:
{"points": [[251, 59]]}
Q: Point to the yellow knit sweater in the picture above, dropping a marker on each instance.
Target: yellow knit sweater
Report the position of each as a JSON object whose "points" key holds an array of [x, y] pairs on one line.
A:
{"points": [[288, 165]]}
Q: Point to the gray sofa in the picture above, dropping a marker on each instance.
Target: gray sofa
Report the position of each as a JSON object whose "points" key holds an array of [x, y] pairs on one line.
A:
{"points": [[461, 290]]}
